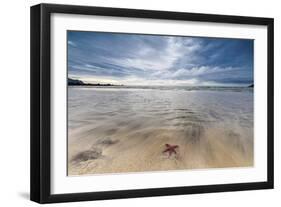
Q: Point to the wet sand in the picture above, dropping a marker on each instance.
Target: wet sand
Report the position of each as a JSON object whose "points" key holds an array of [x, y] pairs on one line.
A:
{"points": [[115, 130]]}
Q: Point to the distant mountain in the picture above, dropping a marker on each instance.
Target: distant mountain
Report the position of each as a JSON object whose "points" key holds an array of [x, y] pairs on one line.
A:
{"points": [[251, 86]]}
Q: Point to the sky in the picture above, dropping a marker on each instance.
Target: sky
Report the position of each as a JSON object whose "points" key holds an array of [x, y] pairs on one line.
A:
{"points": [[137, 59]]}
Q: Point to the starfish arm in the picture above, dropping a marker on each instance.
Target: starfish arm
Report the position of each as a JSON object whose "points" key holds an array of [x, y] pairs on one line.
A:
{"points": [[166, 150]]}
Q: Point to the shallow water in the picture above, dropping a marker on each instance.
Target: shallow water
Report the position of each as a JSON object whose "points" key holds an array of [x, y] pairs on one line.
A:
{"points": [[125, 129]]}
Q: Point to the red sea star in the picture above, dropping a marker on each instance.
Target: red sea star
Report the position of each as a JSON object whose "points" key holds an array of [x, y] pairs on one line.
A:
{"points": [[171, 149]]}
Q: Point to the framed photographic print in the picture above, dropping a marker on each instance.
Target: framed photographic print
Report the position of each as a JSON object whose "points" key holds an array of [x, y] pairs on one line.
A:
{"points": [[133, 103]]}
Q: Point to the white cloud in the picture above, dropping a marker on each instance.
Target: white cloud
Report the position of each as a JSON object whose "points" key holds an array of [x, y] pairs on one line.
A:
{"points": [[151, 59], [202, 70], [193, 72], [71, 43]]}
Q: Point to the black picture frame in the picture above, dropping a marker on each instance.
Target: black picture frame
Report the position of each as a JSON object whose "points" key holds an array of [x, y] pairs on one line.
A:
{"points": [[41, 98]]}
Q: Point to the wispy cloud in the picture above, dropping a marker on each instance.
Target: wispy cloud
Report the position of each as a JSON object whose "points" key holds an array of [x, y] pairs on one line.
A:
{"points": [[71, 43]]}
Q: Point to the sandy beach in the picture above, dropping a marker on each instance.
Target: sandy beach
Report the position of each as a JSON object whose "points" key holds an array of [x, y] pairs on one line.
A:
{"points": [[115, 130]]}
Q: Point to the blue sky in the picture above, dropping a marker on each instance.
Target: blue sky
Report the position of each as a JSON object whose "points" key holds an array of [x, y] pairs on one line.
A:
{"points": [[131, 59]]}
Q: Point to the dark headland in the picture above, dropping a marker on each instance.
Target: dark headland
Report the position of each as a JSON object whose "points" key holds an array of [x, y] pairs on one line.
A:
{"points": [[76, 82]]}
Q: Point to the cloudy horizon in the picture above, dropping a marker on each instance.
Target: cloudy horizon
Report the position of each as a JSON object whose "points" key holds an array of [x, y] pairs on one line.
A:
{"points": [[135, 59]]}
